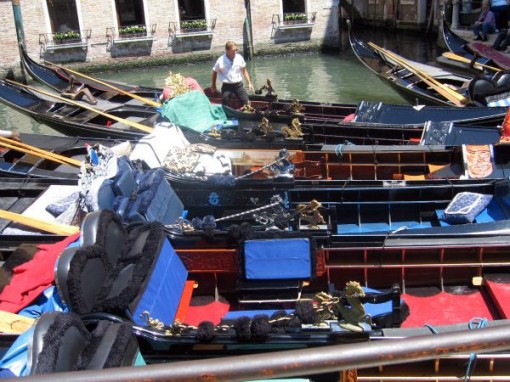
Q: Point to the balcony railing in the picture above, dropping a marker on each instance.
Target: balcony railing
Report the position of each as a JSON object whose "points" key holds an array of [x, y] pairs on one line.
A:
{"points": [[192, 27], [63, 40], [130, 33], [294, 20]]}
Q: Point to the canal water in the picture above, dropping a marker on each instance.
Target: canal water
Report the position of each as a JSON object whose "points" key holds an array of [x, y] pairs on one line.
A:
{"points": [[327, 77]]}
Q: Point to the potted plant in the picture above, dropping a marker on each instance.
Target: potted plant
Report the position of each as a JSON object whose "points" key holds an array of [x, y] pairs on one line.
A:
{"points": [[295, 18], [133, 31], [194, 25], [66, 37]]}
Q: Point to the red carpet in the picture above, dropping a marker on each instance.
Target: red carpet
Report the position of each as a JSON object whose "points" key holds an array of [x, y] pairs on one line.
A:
{"points": [[500, 292], [213, 312], [444, 308]]}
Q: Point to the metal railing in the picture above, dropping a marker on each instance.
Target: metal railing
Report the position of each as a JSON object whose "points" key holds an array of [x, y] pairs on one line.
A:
{"points": [[131, 32], [302, 362], [65, 38], [191, 26]]}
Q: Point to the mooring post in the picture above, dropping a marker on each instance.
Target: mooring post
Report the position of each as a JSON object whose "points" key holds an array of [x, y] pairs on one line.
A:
{"points": [[20, 34]]}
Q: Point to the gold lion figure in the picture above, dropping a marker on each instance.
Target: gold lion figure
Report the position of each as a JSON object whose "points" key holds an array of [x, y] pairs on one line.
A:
{"points": [[310, 213], [354, 313], [294, 130]]}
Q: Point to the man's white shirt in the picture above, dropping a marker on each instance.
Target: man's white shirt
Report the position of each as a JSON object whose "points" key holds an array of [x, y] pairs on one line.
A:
{"points": [[230, 71]]}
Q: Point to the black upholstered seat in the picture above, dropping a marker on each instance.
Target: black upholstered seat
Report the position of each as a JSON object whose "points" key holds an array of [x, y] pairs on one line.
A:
{"points": [[125, 273], [61, 342]]}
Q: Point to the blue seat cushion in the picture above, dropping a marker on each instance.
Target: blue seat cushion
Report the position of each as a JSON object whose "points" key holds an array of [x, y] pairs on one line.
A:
{"points": [[156, 200], [465, 207], [278, 259], [161, 293]]}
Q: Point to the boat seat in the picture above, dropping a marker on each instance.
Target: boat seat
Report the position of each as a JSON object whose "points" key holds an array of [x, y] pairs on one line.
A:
{"points": [[61, 342], [491, 213], [147, 275], [275, 269], [140, 195]]}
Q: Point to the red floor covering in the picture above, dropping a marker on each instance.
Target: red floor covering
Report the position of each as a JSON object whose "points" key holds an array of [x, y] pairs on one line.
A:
{"points": [[501, 295], [444, 308], [212, 311]]}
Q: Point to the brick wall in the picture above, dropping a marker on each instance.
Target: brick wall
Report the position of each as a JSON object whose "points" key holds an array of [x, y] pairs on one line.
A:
{"points": [[230, 17]]}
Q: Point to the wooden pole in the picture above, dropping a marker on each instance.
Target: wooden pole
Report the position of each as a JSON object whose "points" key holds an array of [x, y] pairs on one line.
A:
{"points": [[477, 65], [56, 228], [31, 150], [450, 94], [136, 125], [20, 33]]}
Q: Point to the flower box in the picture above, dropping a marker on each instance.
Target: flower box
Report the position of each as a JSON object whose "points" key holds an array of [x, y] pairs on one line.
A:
{"points": [[132, 32], [193, 26], [66, 37], [295, 18]]}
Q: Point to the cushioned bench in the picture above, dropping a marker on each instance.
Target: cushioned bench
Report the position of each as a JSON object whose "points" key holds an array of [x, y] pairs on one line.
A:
{"points": [[493, 212], [274, 269], [140, 195], [123, 272]]}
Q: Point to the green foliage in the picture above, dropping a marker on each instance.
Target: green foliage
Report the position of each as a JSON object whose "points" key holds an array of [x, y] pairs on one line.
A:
{"points": [[60, 36], [295, 17], [135, 29], [194, 24]]}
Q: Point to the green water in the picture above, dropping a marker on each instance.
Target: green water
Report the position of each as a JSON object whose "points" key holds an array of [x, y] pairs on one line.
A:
{"points": [[335, 77]]}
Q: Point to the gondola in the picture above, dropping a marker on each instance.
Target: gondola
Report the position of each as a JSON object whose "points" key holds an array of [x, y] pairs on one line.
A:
{"points": [[404, 215], [116, 122], [244, 318], [278, 110], [413, 85], [71, 119], [434, 160], [458, 58], [454, 42], [365, 112], [459, 46]]}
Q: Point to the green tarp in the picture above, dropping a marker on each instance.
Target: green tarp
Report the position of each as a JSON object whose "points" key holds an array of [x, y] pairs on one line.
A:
{"points": [[193, 110]]}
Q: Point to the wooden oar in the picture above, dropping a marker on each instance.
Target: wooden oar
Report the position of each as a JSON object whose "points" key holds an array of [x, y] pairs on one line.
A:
{"points": [[125, 92], [56, 228], [136, 125], [31, 150], [456, 57], [450, 94]]}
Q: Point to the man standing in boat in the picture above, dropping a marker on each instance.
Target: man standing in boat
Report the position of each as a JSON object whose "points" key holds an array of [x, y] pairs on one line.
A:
{"points": [[230, 68]]}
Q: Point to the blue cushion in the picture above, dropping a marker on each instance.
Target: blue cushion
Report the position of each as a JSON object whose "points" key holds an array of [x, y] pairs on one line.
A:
{"points": [[277, 259], [156, 200], [465, 207], [105, 195], [124, 183], [162, 292]]}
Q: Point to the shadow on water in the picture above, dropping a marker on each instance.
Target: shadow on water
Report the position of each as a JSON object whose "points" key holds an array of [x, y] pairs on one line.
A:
{"points": [[334, 77]]}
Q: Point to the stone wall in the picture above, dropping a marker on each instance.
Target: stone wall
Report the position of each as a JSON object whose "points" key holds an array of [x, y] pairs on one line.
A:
{"points": [[164, 45]]}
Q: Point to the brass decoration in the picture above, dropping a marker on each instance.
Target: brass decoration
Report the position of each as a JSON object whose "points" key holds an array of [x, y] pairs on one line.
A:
{"points": [[293, 131], [310, 213]]}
